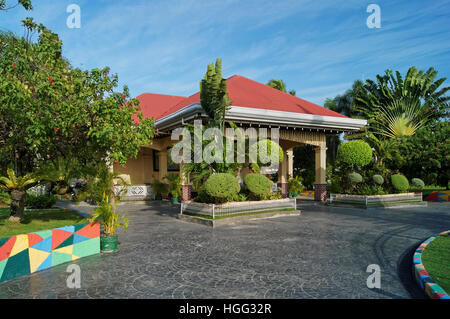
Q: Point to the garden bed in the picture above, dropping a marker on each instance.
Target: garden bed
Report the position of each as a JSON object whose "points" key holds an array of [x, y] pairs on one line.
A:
{"points": [[215, 214], [368, 201]]}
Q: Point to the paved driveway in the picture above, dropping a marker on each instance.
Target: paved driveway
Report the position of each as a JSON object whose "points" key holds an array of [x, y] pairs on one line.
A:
{"points": [[324, 253]]}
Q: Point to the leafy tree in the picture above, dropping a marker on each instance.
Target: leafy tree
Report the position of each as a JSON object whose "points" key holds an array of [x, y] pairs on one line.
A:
{"points": [[50, 109], [426, 154], [214, 94], [24, 3], [347, 104]]}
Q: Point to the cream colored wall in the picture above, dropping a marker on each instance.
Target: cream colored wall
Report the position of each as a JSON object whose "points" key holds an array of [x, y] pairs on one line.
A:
{"points": [[139, 170]]}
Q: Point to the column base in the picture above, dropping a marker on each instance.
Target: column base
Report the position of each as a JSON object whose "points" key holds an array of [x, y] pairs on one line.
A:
{"points": [[320, 192], [284, 189], [187, 190]]}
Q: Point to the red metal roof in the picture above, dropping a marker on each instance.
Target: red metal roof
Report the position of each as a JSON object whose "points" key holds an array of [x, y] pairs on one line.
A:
{"points": [[242, 92]]}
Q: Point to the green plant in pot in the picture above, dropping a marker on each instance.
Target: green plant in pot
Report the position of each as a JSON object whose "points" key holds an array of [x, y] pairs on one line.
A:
{"points": [[295, 186], [159, 189], [111, 220], [174, 186]]}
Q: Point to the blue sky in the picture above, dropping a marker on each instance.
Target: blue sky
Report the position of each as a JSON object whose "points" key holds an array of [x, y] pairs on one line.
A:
{"points": [[317, 47]]}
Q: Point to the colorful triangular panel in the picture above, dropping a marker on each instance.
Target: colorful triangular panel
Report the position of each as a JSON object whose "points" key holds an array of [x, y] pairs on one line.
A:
{"points": [[5, 250], [67, 242], [46, 264], [44, 233], [59, 236], [78, 239], [17, 265], [65, 250], [20, 245], [59, 258], [2, 267], [45, 245], [90, 230], [34, 239], [37, 257], [86, 248]]}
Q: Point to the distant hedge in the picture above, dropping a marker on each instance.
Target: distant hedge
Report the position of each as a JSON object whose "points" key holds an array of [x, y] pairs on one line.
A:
{"points": [[378, 179], [39, 202], [417, 183]]}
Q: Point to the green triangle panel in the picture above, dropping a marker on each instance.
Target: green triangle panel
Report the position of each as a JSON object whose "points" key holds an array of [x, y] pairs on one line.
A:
{"points": [[2, 266], [87, 248], [67, 242], [60, 258], [3, 240], [44, 233], [16, 266], [79, 226]]}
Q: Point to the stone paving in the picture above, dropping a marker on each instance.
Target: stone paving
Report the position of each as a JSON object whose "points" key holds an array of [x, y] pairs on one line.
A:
{"points": [[324, 253]]}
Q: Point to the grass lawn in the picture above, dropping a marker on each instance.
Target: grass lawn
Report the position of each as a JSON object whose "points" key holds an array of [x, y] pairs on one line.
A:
{"points": [[436, 259], [38, 220]]}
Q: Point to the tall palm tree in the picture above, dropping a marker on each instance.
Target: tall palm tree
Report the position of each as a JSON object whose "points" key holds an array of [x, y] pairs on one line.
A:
{"points": [[281, 86]]}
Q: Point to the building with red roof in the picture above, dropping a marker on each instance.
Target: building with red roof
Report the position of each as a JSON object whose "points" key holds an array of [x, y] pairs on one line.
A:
{"points": [[253, 104]]}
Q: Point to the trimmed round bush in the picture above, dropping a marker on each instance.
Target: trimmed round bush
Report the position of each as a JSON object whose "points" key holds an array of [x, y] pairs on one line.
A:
{"points": [[355, 178], [354, 153], [222, 186], [400, 182], [417, 183], [378, 179], [258, 184]]}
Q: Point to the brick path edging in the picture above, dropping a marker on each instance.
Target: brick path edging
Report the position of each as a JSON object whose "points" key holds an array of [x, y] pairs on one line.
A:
{"points": [[431, 288]]}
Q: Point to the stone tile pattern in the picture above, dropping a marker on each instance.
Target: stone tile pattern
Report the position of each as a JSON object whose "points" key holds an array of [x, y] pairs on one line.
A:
{"points": [[25, 254], [324, 253], [432, 289], [320, 192]]}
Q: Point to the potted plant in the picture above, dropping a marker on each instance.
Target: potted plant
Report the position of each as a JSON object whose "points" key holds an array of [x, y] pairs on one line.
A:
{"points": [[174, 186], [295, 186], [111, 220], [159, 189]]}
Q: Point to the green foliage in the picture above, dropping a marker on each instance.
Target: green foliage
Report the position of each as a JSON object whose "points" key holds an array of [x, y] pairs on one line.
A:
{"points": [[354, 154], [304, 164], [214, 94], [222, 186], [160, 188], [264, 158], [399, 182], [26, 4], [355, 178], [281, 86], [425, 155], [100, 183], [50, 109], [174, 186], [107, 215], [259, 185], [39, 202], [366, 189], [417, 183], [295, 185], [203, 197], [378, 179], [12, 182], [5, 198]]}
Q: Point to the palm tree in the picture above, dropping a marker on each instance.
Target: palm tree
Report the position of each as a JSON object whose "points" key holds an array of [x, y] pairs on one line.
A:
{"points": [[16, 187], [281, 86]]}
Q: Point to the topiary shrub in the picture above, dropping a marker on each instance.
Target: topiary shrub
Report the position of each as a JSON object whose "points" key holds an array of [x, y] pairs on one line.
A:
{"points": [[259, 185], [222, 186], [417, 183], [354, 153], [399, 182], [355, 178], [378, 179]]}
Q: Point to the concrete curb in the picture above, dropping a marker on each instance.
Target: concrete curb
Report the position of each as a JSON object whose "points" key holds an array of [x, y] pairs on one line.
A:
{"points": [[235, 220], [431, 288]]}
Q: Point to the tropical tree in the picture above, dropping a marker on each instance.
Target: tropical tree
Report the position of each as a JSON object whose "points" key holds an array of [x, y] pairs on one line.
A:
{"points": [[16, 187], [346, 104], [214, 94], [281, 86], [397, 106]]}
